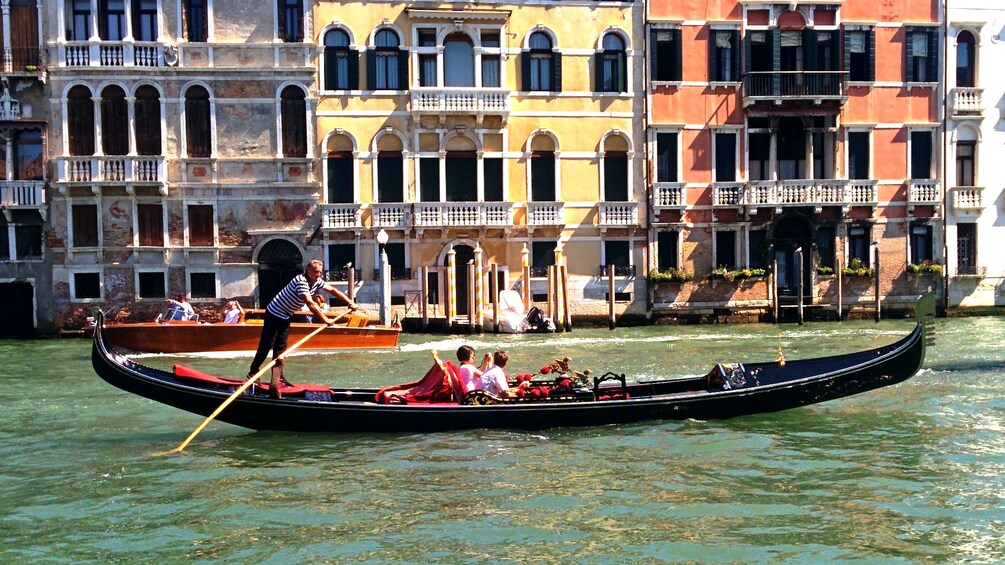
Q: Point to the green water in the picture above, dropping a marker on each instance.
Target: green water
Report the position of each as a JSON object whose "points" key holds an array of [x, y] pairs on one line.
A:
{"points": [[907, 474]]}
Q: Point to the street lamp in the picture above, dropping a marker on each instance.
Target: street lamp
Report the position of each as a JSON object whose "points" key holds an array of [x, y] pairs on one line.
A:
{"points": [[385, 279]]}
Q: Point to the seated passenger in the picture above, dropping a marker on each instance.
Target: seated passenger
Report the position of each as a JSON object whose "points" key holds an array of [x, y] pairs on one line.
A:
{"points": [[179, 309], [471, 375], [232, 312], [494, 379]]}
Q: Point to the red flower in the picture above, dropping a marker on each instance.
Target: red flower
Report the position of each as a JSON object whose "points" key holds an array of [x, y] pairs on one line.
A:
{"points": [[565, 383], [546, 369]]}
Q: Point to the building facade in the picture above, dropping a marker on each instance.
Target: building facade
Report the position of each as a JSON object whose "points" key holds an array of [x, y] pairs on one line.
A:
{"points": [[799, 139], [974, 176]]}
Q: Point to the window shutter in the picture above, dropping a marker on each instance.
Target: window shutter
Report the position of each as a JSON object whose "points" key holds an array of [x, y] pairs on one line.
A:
{"points": [[353, 70], [556, 71], [776, 60], [281, 20], [622, 70], [331, 61], [933, 56], [746, 53], [909, 55], [653, 54], [847, 51], [678, 63], [403, 70], [810, 50], [713, 63], [598, 72], [734, 42], [525, 69], [870, 45], [371, 69]]}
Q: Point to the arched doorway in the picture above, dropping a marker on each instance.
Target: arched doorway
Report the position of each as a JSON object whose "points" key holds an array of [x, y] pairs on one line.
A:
{"points": [[789, 233], [462, 255], [278, 261]]}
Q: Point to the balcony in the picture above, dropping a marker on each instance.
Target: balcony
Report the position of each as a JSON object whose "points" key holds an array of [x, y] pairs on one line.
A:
{"points": [[125, 169], [618, 214], [619, 270], [794, 86], [395, 215], [727, 194], [342, 274], [967, 103], [669, 196], [22, 60], [144, 54], [23, 195], [467, 101], [545, 213], [463, 214], [341, 217], [968, 202], [808, 192], [922, 192]]}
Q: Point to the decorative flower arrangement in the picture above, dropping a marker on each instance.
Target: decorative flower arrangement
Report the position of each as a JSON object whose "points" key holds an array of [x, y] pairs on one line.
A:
{"points": [[670, 275], [924, 268], [563, 379], [721, 273], [822, 270], [856, 268]]}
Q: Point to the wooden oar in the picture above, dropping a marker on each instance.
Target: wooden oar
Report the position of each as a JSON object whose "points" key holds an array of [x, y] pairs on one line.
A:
{"points": [[240, 390]]}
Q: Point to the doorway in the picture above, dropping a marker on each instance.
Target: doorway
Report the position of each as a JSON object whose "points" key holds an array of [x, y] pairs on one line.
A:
{"points": [[790, 234], [462, 255], [17, 301], [278, 262]]}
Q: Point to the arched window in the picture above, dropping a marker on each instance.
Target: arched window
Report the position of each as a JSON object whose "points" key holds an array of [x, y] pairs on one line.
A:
{"points": [[294, 122], [615, 166], [390, 170], [198, 134], [458, 60], [965, 59], [291, 20], [611, 67], [387, 64], [341, 63], [80, 121], [542, 169], [340, 170], [114, 121], [542, 67], [148, 121]]}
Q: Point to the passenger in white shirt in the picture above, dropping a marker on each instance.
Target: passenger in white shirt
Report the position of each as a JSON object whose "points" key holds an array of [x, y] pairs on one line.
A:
{"points": [[494, 379], [471, 375]]}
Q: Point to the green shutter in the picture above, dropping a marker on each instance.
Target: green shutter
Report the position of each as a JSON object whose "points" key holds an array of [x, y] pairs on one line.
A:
{"points": [[734, 46], [653, 54], [870, 45], [598, 72], [933, 55], [329, 69], [525, 69], [847, 52], [810, 50], [776, 60], [556, 70], [353, 70], [403, 70], [909, 56], [622, 70], [371, 69], [713, 63], [678, 63]]}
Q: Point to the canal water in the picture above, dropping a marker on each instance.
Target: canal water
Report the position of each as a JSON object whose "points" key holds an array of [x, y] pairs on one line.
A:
{"points": [[908, 474]]}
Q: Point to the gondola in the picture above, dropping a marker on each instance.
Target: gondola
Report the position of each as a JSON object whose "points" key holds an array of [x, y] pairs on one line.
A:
{"points": [[434, 402]]}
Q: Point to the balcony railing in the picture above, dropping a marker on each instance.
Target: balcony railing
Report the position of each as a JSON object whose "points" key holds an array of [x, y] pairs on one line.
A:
{"points": [[20, 59], [10, 109], [111, 54], [341, 216], [923, 192], [808, 192], [342, 274], [463, 214], [794, 85], [968, 102], [968, 198], [619, 270], [397, 273], [727, 194], [545, 213], [461, 100], [863, 192], [22, 194], [669, 195], [619, 214], [124, 169], [392, 215]]}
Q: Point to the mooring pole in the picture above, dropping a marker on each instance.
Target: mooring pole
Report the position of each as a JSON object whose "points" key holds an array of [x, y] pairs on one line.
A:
{"points": [[494, 292], [424, 286], [610, 296], [471, 296], [799, 273], [565, 298], [876, 254]]}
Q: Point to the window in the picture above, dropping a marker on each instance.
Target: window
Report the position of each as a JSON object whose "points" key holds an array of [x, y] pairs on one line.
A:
{"points": [[615, 176], [80, 120], [921, 243], [85, 225], [150, 224], [145, 27], [396, 260], [86, 286], [491, 62], [965, 152], [78, 20], [386, 63], [965, 53], [196, 18], [542, 176], [921, 154], [112, 20], [198, 139], [340, 177], [493, 174], [825, 246], [666, 50], [858, 245], [340, 257], [667, 249], [666, 156], [294, 122], [542, 256], [4, 240], [114, 121], [860, 55], [389, 177], [202, 285], [462, 169], [341, 63], [759, 46], [151, 285], [458, 60], [429, 179], [725, 157], [724, 55], [966, 249], [427, 57], [759, 150], [757, 249], [27, 241], [200, 225], [725, 249], [28, 164], [542, 65], [291, 20], [858, 155], [24, 39], [148, 121], [922, 51], [619, 254], [611, 65]]}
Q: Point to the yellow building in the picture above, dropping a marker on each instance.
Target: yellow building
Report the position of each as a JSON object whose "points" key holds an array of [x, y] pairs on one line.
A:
{"points": [[484, 130]]}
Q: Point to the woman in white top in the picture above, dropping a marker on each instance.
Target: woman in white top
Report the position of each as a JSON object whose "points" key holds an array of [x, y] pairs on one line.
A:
{"points": [[470, 375]]}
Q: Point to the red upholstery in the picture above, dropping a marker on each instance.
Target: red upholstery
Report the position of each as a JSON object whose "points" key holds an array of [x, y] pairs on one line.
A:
{"points": [[190, 373], [435, 386]]}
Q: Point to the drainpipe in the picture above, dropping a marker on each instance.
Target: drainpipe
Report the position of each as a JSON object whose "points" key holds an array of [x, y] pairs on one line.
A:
{"points": [[944, 121], [646, 176]]}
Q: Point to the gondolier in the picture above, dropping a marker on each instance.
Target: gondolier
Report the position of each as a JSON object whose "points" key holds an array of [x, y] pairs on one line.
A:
{"points": [[298, 292]]}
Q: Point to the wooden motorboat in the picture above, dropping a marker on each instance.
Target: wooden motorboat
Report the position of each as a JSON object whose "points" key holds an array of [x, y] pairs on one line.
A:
{"points": [[435, 402], [175, 336]]}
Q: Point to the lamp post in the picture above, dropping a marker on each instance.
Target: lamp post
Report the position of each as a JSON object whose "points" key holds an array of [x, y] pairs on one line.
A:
{"points": [[385, 279]]}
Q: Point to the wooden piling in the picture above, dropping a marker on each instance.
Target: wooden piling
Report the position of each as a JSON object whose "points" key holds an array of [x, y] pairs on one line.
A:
{"points": [[424, 286], [610, 295], [493, 288], [567, 322]]}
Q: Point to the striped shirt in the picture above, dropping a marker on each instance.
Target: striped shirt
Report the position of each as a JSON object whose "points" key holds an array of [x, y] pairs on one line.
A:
{"points": [[291, 298]]}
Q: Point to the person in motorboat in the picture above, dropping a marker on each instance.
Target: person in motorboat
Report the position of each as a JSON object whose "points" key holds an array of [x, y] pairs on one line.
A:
{"points": [[233, 312], [469, 374], [179, 309], [298, 292], [493, 380]]}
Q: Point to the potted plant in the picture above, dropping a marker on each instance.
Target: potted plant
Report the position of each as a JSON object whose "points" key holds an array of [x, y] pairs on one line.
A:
{"points": [[924, 268], [670, 276], [825, 271], [856, 268]]}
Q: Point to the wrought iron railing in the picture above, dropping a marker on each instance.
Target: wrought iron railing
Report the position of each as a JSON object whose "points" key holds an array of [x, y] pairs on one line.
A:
{"points": [[794, 84], [397, 274], [341, 274], [619, 270]]}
